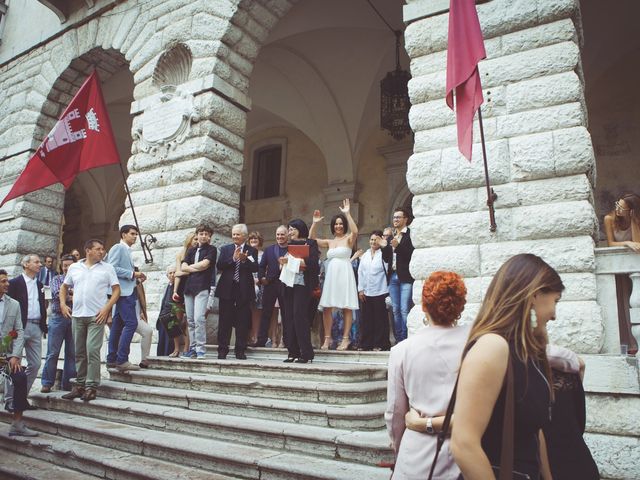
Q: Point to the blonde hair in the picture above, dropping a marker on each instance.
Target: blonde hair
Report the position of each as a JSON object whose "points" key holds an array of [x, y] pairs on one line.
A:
{"points": [[187, 242]]}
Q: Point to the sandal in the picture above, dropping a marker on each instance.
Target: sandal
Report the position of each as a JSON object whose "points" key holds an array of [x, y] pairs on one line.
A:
{"points": [[344, 344], [327, 342], [175, 354]]}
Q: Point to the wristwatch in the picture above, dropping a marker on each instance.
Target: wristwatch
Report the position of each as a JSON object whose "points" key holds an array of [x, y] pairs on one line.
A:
{"points": [[430, 428]]}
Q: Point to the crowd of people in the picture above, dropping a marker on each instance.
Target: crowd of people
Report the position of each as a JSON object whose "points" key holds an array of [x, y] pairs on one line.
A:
{"points": [[491, 398]]}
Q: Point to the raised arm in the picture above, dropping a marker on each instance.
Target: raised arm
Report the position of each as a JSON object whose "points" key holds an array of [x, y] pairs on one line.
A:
{"points": [[353, 228], [481, 377], [322, 243]]}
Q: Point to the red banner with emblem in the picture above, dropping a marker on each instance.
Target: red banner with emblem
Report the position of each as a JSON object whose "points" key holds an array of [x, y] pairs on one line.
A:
{"points": [[82, 139]]}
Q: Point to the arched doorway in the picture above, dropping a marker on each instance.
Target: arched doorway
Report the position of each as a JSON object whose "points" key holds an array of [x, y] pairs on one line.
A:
{"points": [[315, 92], [95, 201]]}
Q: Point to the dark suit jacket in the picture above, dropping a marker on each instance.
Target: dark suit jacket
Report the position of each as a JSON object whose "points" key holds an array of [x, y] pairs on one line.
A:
{"points": [[269, 267], [226, 266], [312, 263], [404, 250], [18, 291]]}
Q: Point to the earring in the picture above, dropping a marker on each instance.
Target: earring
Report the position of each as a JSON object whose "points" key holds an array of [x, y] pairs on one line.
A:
{"points": [[534, 318]]}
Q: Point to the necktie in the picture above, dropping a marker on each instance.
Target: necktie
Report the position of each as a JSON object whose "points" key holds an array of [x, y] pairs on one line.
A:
{"points": [[236, 272]]}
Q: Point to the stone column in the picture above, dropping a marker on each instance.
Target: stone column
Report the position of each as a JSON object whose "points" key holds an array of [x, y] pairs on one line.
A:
{"points": [[540, 156]]}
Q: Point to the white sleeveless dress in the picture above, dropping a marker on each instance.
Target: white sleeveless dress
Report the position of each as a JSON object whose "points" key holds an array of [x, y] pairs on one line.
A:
{"points": [[339, 289]]}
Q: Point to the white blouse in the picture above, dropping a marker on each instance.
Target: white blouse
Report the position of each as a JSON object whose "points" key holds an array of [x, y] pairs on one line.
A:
{"points": [[372, 279]]}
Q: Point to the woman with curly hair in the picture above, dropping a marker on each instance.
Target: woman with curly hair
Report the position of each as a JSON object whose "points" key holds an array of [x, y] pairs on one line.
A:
{"points": [[421, 375]]}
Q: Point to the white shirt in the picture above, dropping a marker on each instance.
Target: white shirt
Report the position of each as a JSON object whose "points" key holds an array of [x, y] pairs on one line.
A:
{"points": [[371, 277], [33, 311], [90, 286]]}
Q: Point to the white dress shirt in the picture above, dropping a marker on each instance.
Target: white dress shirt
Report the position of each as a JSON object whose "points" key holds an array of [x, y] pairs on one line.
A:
{"points": [[90, 286], [33, 311], [372, 279]]}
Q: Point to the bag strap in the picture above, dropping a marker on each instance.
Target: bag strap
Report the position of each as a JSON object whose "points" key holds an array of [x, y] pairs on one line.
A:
{"points": [[506, 453]]}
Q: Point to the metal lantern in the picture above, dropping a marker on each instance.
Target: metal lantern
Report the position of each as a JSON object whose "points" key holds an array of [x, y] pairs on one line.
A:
{"points": [[394, 99]]}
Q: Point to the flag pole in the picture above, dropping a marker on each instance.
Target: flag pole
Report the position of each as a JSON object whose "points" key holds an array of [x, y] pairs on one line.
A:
{"points": [[491, 195], [146, 250]]}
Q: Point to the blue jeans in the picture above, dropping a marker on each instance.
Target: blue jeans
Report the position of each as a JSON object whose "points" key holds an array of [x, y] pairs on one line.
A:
{"points": [[59, 331], [123, 326], [401, 301]]}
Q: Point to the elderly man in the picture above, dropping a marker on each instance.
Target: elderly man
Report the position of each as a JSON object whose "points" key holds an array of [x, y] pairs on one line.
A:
{"points": [[29, 293], [11, 324], [90, 280], [236, 291]]}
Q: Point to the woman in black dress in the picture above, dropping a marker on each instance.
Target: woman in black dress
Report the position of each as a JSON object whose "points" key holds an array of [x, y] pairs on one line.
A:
{"points": [[510, 328]]}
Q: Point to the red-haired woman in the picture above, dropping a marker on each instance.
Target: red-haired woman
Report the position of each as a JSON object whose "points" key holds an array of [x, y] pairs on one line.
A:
{"points": [[422, 372]]}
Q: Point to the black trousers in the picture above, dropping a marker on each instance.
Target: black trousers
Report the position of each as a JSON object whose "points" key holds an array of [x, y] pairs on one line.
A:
{"points": [[297, 328], [19, 380], [272, 292], [234, 313], [374, 323]]}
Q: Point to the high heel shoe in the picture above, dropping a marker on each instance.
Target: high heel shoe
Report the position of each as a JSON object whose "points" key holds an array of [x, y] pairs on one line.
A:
{"points": [[304, 360], [344, 344], [289, 360], [327, 342]]}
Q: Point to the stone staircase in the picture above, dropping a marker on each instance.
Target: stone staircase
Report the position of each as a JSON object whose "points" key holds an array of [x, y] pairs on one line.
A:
{"points": [[214, 419]]}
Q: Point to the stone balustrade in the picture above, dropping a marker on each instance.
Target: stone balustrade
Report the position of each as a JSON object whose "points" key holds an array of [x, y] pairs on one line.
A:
{"points": [[612, 265]]}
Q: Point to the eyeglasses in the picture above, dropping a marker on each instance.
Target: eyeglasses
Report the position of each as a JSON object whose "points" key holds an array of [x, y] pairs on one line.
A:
{"points": [[618, 207], [398, 217]]}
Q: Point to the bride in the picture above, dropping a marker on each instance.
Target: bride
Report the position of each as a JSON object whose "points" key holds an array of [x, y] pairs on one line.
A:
{"points": [[339, 289]]}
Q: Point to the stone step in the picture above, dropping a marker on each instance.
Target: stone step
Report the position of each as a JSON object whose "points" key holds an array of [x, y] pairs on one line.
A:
{"points": [[272, 369], [298, 390], [367, 417], [21, 467], [222, 457], [55, 457], [362, 447], [321, 356]]}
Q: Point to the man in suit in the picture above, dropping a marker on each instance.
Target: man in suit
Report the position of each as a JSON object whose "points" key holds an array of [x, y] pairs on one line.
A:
{"points": [[29, 293], [125, 320], [11, 324], [199, 262], [236, 291], [401, 284], [47, 272], [269, 275]]}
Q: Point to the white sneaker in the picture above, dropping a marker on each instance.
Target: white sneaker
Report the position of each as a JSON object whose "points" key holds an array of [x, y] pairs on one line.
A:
{"points": [[19, 429], [123, 367]]}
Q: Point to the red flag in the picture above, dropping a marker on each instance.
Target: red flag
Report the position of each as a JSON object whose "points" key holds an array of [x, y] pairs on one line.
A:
{"points": [[465, 50], [82, 139]]}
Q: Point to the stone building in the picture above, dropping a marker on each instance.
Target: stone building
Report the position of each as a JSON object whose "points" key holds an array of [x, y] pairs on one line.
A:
{"points": [[203, 94]]}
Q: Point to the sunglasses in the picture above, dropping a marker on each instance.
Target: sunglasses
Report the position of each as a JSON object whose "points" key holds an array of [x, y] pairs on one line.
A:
{"points": [[620, 207]]}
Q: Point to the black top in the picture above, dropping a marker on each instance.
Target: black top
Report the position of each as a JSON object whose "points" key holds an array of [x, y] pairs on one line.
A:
{"points": [[403, 252], [569, 455], [312, 264], [199, 281], [531, 414]]}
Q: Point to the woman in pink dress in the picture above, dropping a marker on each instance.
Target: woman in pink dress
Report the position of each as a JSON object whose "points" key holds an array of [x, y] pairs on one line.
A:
{"points": [[422, 372]]}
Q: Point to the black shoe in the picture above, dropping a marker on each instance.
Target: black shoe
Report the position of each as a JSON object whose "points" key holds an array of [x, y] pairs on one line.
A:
{"points": [[222, 356], [31, 407], [9, 408], [241, 356], [290, 360], [304, 360]]}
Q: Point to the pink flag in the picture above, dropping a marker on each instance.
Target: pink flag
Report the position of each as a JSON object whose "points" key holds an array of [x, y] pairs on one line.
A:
{"points": [[82, 139], [465, 50]]}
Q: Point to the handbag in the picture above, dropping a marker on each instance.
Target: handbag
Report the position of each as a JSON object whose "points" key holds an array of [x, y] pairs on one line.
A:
{"points": [[505, 470], [170, 322]]}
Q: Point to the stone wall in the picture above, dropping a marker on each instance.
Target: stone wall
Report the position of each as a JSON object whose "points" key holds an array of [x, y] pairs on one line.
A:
{"points": [[542, 166]]}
